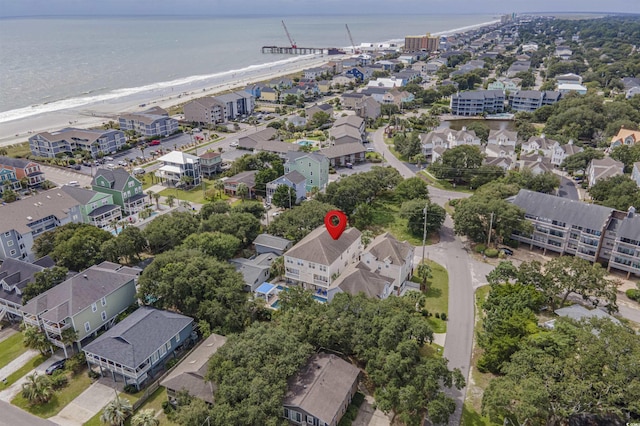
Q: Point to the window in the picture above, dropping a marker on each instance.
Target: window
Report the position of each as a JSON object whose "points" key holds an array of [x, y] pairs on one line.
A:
{"points": [[163, 350], [286, 413], [168, 345], [87, 326], [12, 252], [103, 315], [154, 357], [9, 243], [103, 301], [177, 338], [298, 417], [94, 307]]}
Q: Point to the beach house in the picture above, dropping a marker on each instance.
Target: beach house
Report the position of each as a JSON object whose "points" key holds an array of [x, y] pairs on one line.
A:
{"points": [[126, 190], [23, 169], [294, 180], [180, 169], [15, 276], [313, 166]]}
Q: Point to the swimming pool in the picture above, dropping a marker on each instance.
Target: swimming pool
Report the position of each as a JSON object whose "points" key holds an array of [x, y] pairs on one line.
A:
{"points": [[305, 143]]}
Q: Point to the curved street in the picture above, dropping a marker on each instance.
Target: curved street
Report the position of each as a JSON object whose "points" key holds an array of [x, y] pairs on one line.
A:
{"points": [[465, 275]]}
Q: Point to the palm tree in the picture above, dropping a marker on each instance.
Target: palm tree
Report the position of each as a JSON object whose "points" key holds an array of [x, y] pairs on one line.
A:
{"points": [[171, 200], [34, 338], [150, 193], [242, 190], [3, 151], [69, 336], [157, 198], [145, 418], [424, 273], [116, 412], [219, 185], [37, 389], [185, 204], [277, 267], [142, 147]]}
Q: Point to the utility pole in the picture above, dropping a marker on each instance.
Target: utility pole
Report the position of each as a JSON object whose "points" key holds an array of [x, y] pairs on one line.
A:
{"points": [[490, 226], [424, 231]]}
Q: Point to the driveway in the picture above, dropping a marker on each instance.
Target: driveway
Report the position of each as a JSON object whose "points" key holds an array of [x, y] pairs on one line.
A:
{"points": [[10, 392], [568, 189], [16, 417], [86, 405], [62, 176], [369, 416]]}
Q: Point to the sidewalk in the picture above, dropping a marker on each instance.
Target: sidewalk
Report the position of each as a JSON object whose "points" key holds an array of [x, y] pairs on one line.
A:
{"points": [[17, 363], [9, 393]]}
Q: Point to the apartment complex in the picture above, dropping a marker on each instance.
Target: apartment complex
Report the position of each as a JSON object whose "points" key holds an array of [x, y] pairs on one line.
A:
{"points": [[153, 122], [66, 141], [589, 231], [531, 100], [426, 42], [219, 109], [477, 102]]}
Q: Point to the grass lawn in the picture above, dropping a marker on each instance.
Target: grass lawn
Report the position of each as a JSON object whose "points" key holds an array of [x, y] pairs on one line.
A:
{"points": [[77, 384], [146, 180], [18, 150], [437, 296], [443, 184], [431, 350], [386, 217], [194, 195], [11, 348], [22, 371], [478, 381]]}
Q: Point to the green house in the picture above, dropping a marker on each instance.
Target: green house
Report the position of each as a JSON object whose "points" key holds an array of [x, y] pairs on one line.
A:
{"points": [[126, 190], [96, 208], [313, 166]]}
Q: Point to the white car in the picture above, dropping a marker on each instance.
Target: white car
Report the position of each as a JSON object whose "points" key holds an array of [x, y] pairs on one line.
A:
{"points": [[275, 214], [234, 144], [371, 149]]}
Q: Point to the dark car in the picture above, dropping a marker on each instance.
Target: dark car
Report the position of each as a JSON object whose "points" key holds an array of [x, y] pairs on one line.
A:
{"points": [[506, 251], [58, 365]]}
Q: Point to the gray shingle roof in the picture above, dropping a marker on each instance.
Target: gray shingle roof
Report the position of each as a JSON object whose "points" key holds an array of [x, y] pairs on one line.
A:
{"points": [[268, 240], [117, 177], [357, 278], [630, 228], [78, 292], [294, 155], [143, 332], [16, 274], [571, 212], [19, 214], [344, 149], [319, 247], [18, 163], [321, 386], [81, 195], [385, 246]]}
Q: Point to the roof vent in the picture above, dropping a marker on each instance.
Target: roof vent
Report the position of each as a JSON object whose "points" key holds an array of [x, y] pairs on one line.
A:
{"points": [[29, 218], [59, 195], [85, 277], [49, 197]]}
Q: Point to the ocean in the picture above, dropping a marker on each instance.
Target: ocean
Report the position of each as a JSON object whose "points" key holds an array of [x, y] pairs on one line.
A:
{"points": [[52, 64]]}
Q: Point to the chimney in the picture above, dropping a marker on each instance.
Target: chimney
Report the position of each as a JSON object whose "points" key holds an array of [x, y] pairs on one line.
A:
{"points": [[631, 212]]}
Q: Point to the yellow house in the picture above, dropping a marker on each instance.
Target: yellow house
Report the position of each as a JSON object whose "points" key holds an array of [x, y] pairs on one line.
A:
{"points": [[269, 95], [625, 137]]}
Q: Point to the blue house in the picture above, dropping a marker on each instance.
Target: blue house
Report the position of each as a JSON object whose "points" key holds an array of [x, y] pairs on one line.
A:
{"points": [[357, 72], [136, 348], [254, 90], [8, 180], [293, 180]]}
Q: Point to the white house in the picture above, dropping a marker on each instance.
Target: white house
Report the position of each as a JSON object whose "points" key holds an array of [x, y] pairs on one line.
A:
{"points": [[177, 165], [603, 169], [390, 258], [635, 173], [560, 152], [502, 138], [317, 260], [540, 144]]}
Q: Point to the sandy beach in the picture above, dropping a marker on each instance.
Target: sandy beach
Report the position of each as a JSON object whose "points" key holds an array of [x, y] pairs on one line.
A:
{"points": [[92, 112]]}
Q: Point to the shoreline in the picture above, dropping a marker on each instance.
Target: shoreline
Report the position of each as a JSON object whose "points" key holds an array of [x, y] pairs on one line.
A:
{"points": [[96, 110]]}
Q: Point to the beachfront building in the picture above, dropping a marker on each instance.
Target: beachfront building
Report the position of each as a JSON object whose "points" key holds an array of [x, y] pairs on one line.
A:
{"points": [[321, 391], [317, 260], [125, 189], [15, 275], [24, 220], [69, 140], [477, 102], [312, 165], [426, 43], [294, 180], [136, 348], [236, 104], [85, 303], [23, 169], [96, 208], [149, 123], [180, 169], [204, 111]]}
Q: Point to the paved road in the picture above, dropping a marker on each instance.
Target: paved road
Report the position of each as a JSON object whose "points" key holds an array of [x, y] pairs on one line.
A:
{"points": [[567, 189], [13, 416], [464, 276]]}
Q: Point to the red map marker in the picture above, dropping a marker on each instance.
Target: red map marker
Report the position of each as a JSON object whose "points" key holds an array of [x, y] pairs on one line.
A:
{"points": [[335, 230]]}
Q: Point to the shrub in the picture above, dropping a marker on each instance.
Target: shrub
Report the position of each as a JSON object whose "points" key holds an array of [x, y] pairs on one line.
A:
{"points": [[167, 407], [93, 375], [633, 294], [425, 313], [437, 314], [443, 316], [130, 389], [480, 248], [454, 203], [59, 380], [491, 252], [76, 363], [169, 364]]}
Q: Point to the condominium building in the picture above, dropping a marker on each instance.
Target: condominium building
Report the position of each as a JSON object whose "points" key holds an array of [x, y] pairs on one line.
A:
{"points": [[588, 231], [153, 122], [477, 102], [66, 141], [531, 100], [426, 42], [219, 109]]}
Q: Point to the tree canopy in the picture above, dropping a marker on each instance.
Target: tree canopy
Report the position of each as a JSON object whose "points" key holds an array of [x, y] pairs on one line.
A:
{"points": [[244, 226], [475, 215], [169, 230], [618, 192], [296, 223], [458, 164]]}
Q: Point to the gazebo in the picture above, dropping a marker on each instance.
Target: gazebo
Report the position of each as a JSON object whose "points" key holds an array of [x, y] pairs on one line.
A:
{"points": [[266, 290]]}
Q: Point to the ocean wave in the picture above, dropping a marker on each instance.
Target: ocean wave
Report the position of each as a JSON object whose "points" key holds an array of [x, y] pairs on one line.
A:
{"points": [[75, 102]]}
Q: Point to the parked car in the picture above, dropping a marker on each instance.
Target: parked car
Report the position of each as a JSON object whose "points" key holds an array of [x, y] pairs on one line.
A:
{"points": [[234, 144], [349, 166], [74, 183], [371, 149], [138, 171], [154, 142], [110, 166], [58, 365], [75, 166], [108, 158], [506, 251]]}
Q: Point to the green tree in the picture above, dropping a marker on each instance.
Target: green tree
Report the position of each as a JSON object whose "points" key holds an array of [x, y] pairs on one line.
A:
{"points": [[216, 244], [196, 412], [37, 389], [458, 164], [412, 188], [284, 196], [485, 174], [244, 226], [618, 192], [198, 286], [218, 207], [35, 338], [547, 383], [9, 195], [145, 418], [473, 218], [171, 200], [43, 281], [116, 411], [481, 130], [627, 154], [295, 224], [169, 230], [242, 190], [413, 211], [255, 208], [408, 146], [128, 245], [277, 267], [424, 274], [319, 119]]}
